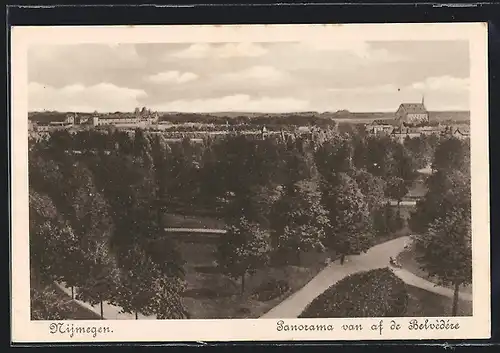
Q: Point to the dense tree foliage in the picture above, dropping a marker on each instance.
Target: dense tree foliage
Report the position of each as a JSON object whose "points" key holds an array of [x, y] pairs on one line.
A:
{"points": [[445, 250], [443, 218], [452, 154], [98, 200], [396, 189], [349, 217], [372, 187], [243, 249], [387, 221], [299, 221]]}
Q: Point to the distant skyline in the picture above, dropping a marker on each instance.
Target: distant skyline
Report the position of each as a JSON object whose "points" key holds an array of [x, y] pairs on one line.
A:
{"points": [[250, 77]]}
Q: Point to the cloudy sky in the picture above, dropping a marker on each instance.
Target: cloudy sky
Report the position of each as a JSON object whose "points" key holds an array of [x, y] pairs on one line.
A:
{"points": [[261, 77]]}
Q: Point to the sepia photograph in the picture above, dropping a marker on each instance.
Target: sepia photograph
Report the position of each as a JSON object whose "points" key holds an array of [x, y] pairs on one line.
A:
{"points": [[254, 177]]}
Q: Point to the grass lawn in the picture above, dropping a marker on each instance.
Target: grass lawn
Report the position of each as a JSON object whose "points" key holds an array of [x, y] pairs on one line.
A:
{"points": [[407, 260], [423, 303], [235, 305], [213, 295]]}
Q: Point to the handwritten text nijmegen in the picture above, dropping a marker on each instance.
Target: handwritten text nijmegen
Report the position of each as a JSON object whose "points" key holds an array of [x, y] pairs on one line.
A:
{"points": [[73, 330]]}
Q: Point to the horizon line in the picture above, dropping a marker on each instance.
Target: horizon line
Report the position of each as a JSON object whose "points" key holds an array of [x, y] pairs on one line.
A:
{"points": [[245, 112]]}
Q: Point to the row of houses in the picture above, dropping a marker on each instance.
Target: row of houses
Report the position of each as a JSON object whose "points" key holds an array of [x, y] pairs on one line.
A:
{"points": [[460, 132], [139, 117]]}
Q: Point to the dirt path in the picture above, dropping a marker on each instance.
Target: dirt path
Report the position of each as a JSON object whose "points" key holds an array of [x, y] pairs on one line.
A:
{"points": [[376, 257]]}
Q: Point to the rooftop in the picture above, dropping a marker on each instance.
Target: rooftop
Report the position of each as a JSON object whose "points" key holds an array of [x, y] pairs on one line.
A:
{"points": [[413, 108]]}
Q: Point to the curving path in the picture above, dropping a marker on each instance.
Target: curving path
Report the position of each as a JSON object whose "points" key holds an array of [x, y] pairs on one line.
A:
{"points": [[292, 307], [376, 257], [413, 280], [110, 312]]}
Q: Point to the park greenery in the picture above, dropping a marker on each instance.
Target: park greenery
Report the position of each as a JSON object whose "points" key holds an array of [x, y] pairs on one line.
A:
{"points": [[97, 201], [374, 293], [443, 219]]}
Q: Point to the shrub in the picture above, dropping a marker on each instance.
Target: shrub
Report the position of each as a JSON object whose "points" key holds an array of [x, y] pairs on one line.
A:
{"points": [[375, 293], [271, 289]]}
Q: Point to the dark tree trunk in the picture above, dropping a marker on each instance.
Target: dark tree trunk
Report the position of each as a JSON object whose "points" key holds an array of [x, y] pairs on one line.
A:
{"points": [[399, 206], [136, 315], [342, 259], [454, 309], [243, 283], [102, 311], [72, 292]]}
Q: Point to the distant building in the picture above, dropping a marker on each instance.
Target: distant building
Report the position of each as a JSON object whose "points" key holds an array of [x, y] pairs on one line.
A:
{"points": [[81, 120], [400, 133], [116, 120], [152, 118], [376, 128], [51, 126], [70, 119], [412, 113], [461, 133]]}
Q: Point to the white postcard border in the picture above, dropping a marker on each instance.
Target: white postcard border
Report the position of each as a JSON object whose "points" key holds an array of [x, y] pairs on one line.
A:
{"points": [[24, 330]]}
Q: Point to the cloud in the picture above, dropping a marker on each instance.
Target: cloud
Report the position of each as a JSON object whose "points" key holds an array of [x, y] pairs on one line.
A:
{"points": [[358, 48], [443, 83], [172, 77], [94, 56], [262, 74], [104, 97], [126, 52], [236, 102], [388, 88], [228, 50]]}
